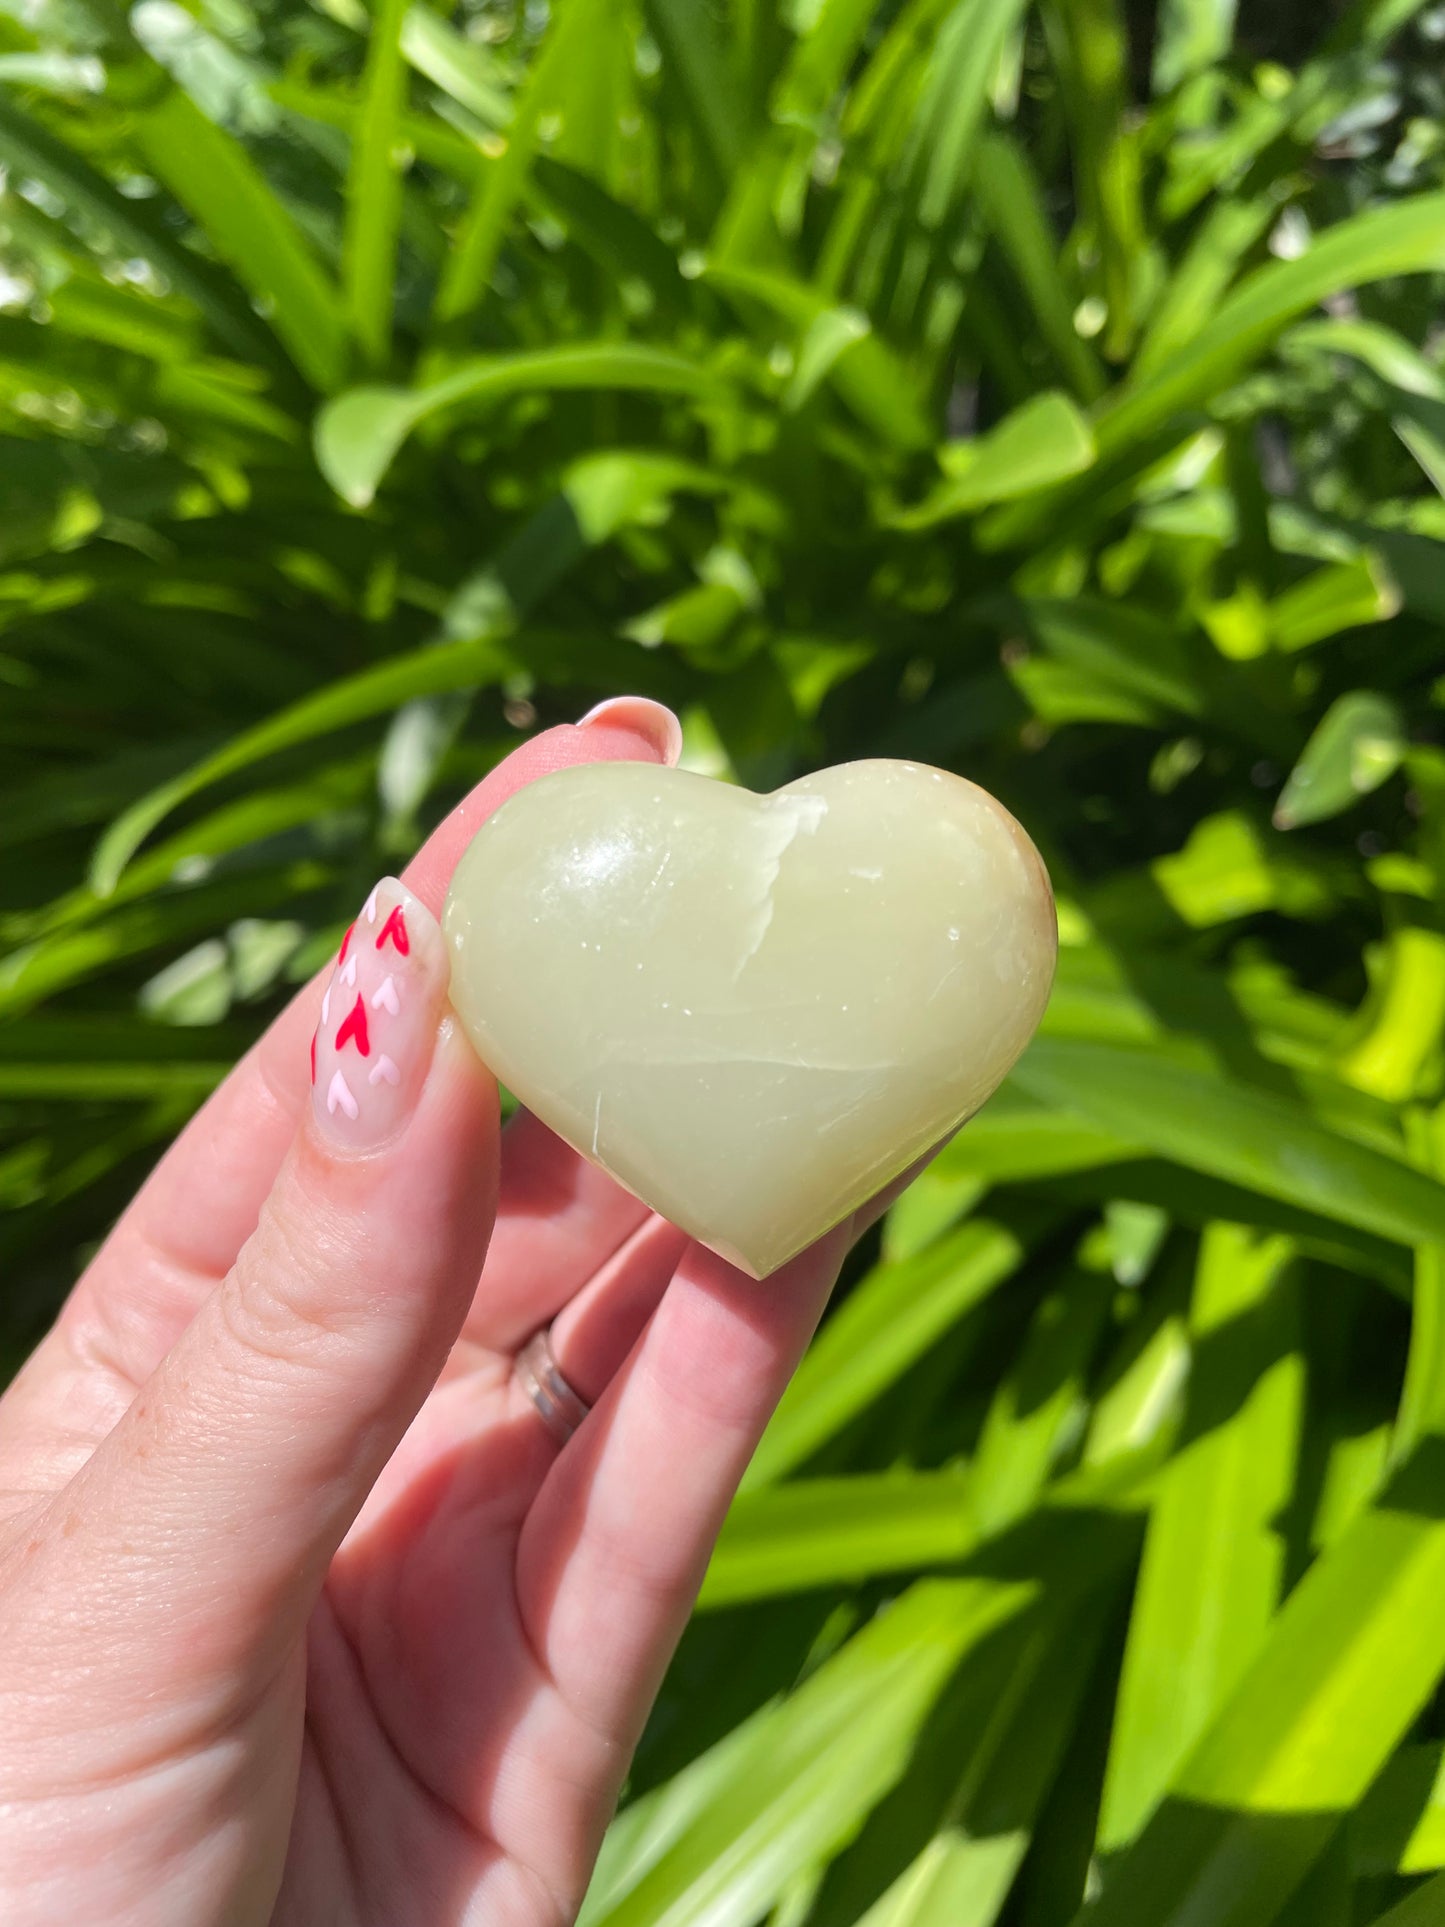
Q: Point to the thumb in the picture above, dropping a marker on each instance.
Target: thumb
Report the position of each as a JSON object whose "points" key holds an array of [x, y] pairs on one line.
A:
{"points": [[231, 1480]]}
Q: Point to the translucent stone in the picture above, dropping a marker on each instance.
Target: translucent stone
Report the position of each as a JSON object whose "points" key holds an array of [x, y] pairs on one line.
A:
{"points": [[752, 1010]]}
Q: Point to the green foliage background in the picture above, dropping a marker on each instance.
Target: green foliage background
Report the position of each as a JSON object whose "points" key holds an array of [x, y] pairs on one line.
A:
{"points": [[1052, 391]]}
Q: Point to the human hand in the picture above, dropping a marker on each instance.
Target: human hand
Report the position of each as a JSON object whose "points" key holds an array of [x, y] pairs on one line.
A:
{"points": [[305, 1616]]}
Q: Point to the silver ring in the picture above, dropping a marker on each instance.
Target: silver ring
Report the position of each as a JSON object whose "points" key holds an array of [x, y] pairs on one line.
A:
{"points": [[560, 1408]]}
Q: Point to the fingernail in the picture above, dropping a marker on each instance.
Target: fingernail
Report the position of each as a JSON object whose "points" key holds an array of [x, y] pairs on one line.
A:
{"points": [[379, 1016], [653, 720]]}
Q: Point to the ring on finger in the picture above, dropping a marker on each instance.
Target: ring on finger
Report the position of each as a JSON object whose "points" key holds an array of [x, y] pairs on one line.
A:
{"points": [[561, 1409]]}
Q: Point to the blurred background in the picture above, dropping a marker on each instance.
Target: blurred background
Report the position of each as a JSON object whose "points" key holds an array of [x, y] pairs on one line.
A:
{"points": [[1053, 390]]}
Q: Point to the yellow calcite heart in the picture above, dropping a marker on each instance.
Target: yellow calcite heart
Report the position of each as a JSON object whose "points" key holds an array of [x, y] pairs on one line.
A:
{"points": [[752, 1010]]}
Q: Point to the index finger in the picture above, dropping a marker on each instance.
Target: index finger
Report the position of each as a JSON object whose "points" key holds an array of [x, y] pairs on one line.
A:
{"points": [[185, 1226]]}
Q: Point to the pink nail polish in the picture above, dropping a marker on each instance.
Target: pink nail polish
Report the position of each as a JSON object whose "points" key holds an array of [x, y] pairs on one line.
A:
{"points": [[379, 1016]]}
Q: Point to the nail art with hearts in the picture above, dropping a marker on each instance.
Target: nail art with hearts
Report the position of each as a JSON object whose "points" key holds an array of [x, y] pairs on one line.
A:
{"points": [[379, 1017]]}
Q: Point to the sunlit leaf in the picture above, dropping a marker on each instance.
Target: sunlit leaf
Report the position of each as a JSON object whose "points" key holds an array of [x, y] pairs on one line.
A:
{"points": [[1212, 1575], [373, 188], [1044, 441], [474, 251], [358, 434], [887, 1323], [372, 693], [1346, 1668], [1229, 1130], [818, 1764], [213, 177], [1357, 745]]}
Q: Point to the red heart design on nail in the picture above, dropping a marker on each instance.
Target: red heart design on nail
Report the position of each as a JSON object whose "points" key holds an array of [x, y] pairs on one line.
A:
{"points": [[395, 928], [345, 944], [353, 1029]]}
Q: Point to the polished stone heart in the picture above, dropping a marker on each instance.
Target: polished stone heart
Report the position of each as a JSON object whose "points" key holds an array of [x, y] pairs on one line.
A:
{"points": [[752, 1010]]}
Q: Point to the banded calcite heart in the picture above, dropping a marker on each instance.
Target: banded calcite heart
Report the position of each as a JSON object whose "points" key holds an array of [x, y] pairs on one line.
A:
{"points": [[752, 1010]]}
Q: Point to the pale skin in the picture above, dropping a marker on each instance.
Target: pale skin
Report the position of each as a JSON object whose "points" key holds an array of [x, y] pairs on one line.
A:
{"points": [[305, 1616]]}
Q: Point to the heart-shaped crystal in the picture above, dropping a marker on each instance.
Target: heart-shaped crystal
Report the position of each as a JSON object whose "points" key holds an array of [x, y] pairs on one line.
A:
{"points": [[752, 1010]]}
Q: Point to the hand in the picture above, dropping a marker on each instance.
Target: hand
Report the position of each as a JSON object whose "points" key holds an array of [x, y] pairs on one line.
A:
{"points": [[304, 1614]]}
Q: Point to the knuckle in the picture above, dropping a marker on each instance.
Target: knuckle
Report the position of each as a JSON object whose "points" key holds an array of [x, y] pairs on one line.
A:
{"points": [[280, 1303]]}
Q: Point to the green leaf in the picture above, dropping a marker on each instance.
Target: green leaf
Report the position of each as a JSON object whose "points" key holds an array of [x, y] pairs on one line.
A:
{"points": [[644, 1830], [914, 118], [193, 990], [53, 73], [933, 1203], [425, 672], [1229, 868], [886, 1324], [1357, 745], [1229, 1130], [467, 72], [1038, 1402], [432, 141], [952, 105], [32, 149], [1406, 238], [1323, 88], [600, 495], [1348, 1665], [1191, 36], [1331, 600], [866, 373], [817, 1532], [1414, 386], [1384, 352], [1423, 1908], [776, 173], [109, 1083], [1010, 202], [828, 40], [1193, 292], [819, 1763], [691, 46], [1044, 441], [620, 240], [1092, 49], [1126, 651], [961, 1821], [1213, 1569], [213, 177], [92, 308], [319, 802], [1065, 692], [1422, 1397], [1015, 1136], [1400, 1825], [357, 435], [1138, 1399], [576, 26], [38, 970], [374, 187]]}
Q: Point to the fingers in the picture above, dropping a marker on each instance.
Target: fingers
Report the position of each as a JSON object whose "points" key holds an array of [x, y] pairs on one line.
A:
{"points": [[598, 1327], [594, 1333], [608, 1258], [190, 1219], [590, 1339], [613, 1549], [684, 1359], [618, 1538], [607, 1558], [559, 1220], [205, 1522]]}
